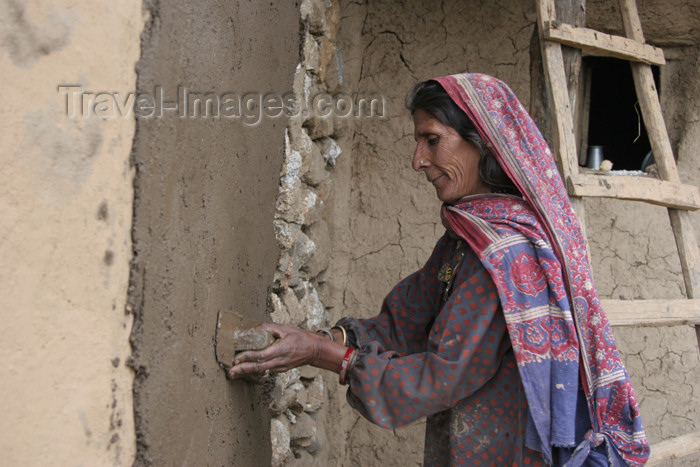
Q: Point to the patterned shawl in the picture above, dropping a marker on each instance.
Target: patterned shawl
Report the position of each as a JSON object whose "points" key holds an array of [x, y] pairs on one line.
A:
{"points": [[556, 324]]}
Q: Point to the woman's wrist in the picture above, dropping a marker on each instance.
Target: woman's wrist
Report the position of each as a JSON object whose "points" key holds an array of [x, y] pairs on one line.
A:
{"points": [[326, 353]]}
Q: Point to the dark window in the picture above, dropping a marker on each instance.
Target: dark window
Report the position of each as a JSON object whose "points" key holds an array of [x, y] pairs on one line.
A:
{"points": [[615, 119]]}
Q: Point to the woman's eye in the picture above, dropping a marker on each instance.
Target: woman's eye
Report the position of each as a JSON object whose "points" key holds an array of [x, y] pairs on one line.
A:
{"points": [[433, 140]]}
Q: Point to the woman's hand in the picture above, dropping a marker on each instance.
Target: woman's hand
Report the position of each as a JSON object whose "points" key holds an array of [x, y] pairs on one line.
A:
{"points": [[294, 347]]}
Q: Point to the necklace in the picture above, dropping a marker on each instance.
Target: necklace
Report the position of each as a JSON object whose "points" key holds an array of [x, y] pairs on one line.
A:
{"points": [[448, 272]]}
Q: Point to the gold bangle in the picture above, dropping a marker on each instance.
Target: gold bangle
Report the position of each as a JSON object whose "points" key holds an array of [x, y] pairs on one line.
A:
{"points": [[345, 334]]}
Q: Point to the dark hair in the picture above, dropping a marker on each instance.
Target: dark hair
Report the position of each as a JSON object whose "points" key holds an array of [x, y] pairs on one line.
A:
{"points": [[432, 98]]}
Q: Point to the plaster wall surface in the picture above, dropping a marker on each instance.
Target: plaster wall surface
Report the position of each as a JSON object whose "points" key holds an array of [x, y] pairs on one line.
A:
{"points": [[205, 195], [65, 222], [385, 217]]}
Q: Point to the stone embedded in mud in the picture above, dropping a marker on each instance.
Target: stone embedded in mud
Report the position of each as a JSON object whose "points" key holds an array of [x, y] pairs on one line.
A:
{"points": [[315, 12], [283, 402], [317, 172], [280, 438], [314, 395], [252, 339], [294, 308], [279, 314], [330, 151], [303, 430], [311, 54]]}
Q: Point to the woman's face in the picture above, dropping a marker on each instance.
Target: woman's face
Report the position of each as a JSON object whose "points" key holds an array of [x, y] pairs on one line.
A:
{"points": [[449, 162]]}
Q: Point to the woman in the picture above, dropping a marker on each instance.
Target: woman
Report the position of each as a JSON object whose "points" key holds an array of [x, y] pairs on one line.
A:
{"points": [[499, 339]]}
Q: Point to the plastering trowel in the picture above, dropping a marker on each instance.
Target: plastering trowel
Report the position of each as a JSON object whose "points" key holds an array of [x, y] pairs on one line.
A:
{"points": [[234, 334]]}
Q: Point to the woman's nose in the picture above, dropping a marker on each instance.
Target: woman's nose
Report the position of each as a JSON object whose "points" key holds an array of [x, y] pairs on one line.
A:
{"points": [[419, 161]]}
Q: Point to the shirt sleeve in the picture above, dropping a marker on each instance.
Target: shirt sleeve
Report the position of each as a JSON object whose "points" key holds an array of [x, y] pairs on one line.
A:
{"points": [[408, 311], [457, 352]]}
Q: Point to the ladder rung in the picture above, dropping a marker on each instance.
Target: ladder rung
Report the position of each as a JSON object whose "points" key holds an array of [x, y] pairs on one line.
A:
{"points": [[647, 189], [652, 312], [674, 448], [604, 45]]}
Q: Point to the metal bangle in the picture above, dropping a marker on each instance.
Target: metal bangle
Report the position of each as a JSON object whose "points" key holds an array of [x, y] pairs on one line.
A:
{"points": [[326, 332], [345, 334]]}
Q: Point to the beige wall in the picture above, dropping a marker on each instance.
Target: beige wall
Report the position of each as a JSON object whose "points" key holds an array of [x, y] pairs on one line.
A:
{"points": [[66, 191]]}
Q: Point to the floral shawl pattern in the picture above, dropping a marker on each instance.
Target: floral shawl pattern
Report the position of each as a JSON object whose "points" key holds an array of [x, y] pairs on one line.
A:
{"points": [[556, 323]]}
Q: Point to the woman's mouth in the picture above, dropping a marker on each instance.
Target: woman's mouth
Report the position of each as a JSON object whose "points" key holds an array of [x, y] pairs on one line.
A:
{"points": [[433, 180]]}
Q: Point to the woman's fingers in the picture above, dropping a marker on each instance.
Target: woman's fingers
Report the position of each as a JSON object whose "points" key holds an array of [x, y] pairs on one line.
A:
{"points": [[259, 356], [273, 358], [258, 367], [293, 347]]}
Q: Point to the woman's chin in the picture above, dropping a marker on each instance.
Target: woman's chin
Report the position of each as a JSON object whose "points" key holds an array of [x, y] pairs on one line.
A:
{"points": [[446, 197]]}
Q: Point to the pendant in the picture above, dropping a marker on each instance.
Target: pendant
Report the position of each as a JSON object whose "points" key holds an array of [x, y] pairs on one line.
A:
{"points": [[445, 274]]}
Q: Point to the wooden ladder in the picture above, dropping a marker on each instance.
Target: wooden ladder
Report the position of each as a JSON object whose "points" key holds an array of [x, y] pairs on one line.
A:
{"points": [[667, 191]]}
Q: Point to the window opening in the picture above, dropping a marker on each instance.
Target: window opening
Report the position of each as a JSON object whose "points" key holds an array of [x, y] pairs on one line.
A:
{"points": [[615, 120]]}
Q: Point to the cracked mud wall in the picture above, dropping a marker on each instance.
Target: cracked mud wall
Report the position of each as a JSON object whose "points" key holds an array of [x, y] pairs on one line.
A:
{"points": [[65, 221], [203, 226], [385, 218]]}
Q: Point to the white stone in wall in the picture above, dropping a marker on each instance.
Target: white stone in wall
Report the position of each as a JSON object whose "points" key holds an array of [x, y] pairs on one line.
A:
{"points": [[292, 397], [283, 234], [280, 438], [311, 53], [296, 310], [292, 163], [279, 314], [286, 378], [301, 142], [330, 151], [314, 207], [308, 82], [288, 206], [315, 312], [284, 274], [295, 202], [310, 199]]}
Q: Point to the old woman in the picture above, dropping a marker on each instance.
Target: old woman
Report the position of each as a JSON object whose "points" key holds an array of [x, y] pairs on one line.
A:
{"points": [[499, 340]]}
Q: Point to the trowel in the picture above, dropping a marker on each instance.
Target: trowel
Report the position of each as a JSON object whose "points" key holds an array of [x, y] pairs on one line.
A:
{"points": [[235, 333]]}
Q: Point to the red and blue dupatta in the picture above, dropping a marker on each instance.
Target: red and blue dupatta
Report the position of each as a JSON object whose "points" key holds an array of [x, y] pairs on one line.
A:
{"points": [[536, 254]]}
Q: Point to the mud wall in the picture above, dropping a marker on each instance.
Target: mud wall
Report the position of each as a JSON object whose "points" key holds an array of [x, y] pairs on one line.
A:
{"points": [[205, 194], [66, 190], [390, 218]]}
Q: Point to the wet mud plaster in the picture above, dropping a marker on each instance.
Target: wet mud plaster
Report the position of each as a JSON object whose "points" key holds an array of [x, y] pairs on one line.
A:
{"points": [[204, 241]]}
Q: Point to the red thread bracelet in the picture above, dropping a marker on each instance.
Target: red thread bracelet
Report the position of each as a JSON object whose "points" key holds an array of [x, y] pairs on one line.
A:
{"points": [[343, 378]]}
